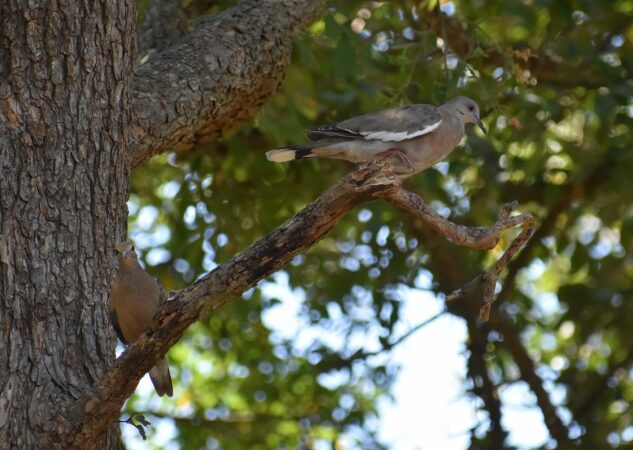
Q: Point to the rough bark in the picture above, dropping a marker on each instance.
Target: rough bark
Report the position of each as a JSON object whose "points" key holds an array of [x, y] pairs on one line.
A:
{"points": [[217, 76], [64, 133]]}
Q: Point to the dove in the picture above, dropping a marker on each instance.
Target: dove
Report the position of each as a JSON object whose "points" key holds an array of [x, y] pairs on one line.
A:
{"points": [[134, 300], [415, 136]]}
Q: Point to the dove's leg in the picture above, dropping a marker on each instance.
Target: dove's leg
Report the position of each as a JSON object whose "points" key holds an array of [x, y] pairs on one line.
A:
{"points": [[399, 154]]}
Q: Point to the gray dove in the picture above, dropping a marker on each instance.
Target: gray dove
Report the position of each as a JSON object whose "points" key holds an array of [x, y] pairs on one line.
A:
{"points": [[416, 136], [134, 300]]}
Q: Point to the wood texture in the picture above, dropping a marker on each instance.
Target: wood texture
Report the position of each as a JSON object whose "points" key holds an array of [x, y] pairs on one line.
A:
{"points": [[217, 76], [64, 115]]}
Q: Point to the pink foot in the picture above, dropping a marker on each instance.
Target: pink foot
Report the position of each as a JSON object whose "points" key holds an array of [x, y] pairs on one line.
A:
{"points": [[399, 154]]}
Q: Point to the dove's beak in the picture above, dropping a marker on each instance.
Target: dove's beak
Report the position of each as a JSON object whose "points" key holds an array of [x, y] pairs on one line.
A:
{"points": [[480, 125]]}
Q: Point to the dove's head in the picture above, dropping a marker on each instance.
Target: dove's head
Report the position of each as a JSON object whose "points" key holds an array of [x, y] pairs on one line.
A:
{"points": [[468, 110], [126, 253]]}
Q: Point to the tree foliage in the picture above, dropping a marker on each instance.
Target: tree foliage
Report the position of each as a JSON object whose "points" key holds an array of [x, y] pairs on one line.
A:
{"points": [[553, 79]]}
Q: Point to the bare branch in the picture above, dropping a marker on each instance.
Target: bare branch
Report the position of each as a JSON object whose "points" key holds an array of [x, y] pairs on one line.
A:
{"points": [[489, 278], [474, 237], [442, 256], [213, 290], [410, 332], [369, 181], [478, 238], [215, 77]]}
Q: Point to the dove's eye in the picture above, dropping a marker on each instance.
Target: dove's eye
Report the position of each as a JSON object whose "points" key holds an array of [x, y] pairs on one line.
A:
{"points": [[471, 107]]}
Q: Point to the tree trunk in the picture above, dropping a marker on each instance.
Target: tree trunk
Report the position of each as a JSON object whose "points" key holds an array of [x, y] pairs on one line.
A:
{"points": [[64, 133], [68, 138]]}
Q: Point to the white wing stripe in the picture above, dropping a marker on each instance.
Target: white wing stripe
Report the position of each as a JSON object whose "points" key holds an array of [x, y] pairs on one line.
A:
{"points": [[385, 135]]}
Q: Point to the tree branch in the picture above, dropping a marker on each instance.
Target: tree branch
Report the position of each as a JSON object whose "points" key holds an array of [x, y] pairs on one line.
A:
{"points": [[489, 278], [215, 77], [231, 426], [443, 257], [369, 181], [478, 238], [557, 429], [213, 290], [482, 384]]}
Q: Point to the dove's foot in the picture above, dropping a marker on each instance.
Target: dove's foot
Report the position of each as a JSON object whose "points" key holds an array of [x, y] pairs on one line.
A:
{"points": [[399, 154]]}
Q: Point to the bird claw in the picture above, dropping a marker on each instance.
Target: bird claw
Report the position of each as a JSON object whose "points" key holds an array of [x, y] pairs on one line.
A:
{"points": [[400, 155]]}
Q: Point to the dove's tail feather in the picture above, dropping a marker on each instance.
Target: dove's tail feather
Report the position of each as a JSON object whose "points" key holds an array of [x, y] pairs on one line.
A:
{"points": [[291, 153], [161, 378]]}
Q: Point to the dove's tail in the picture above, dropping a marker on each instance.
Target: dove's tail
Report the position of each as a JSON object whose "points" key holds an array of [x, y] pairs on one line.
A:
{"points": [[161, 378], [291, 153]]}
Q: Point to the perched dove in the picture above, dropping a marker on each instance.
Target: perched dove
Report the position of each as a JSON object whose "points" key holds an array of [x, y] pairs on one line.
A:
{"points": [[418, 136], [134, 300]]}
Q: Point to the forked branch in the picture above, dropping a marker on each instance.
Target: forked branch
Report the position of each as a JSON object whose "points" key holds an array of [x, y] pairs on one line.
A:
{"points": [[477, 237], [229, 280]]}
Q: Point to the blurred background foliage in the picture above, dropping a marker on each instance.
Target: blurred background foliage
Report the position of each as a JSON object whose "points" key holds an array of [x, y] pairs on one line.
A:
{"points": [[302, 359]]}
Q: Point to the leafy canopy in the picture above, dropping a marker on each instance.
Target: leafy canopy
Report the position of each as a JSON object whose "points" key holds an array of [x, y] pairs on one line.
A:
{"points": [[299, 358]]}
